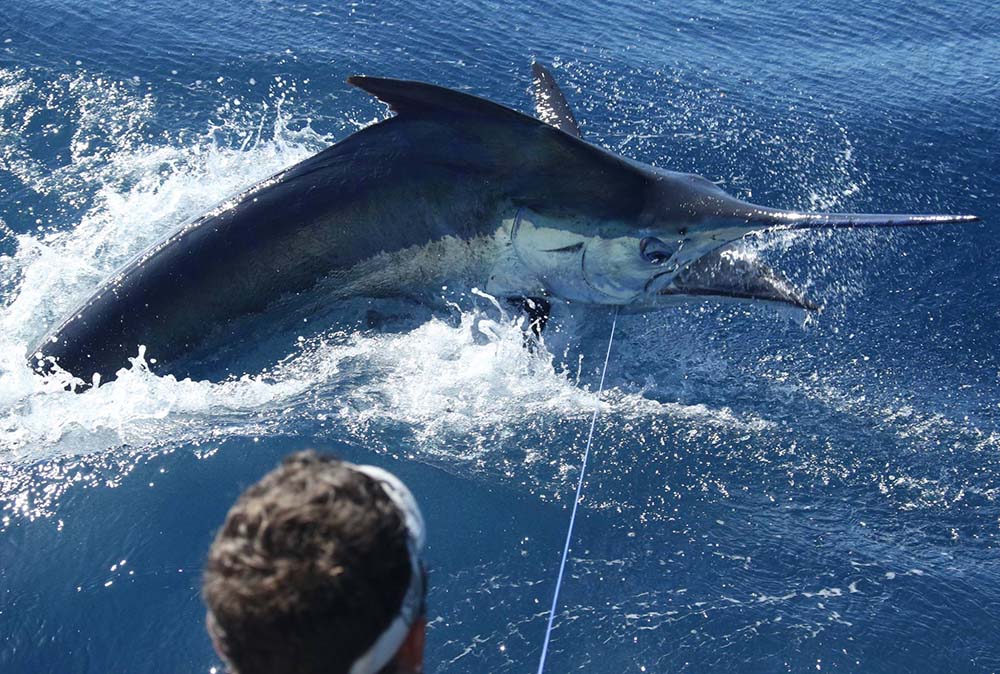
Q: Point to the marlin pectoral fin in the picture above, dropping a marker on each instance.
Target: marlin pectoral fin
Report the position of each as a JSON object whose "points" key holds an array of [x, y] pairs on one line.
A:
{"points": [[550, 103]]}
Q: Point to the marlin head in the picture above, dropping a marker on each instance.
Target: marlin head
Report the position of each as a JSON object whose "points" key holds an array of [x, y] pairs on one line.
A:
{"points": [[677, 246], [675, 243]]}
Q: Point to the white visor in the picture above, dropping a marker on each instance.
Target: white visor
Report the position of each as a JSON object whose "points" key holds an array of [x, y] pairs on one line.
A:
{"points": [[388, 643]]}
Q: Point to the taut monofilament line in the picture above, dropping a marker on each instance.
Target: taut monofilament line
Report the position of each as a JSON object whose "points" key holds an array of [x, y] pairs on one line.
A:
{"points": [[576, 502]]}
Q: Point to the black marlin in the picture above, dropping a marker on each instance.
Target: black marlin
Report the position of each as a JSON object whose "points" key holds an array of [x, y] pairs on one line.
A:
{"points": [[451, 185]]}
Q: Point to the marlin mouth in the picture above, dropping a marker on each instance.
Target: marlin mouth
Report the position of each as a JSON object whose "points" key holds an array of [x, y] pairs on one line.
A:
{"points": [[730, 274]]}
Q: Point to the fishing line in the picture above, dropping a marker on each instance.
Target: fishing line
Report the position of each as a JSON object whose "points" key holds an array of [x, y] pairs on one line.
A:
{"points": [[576, 501]]}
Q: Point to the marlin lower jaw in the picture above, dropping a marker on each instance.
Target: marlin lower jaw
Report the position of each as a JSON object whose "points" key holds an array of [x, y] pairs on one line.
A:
{"points": [[796, 301], [728, 274]]}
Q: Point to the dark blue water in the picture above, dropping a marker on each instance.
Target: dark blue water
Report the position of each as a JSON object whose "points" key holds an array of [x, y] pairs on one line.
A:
{"points": [[763, 496]]}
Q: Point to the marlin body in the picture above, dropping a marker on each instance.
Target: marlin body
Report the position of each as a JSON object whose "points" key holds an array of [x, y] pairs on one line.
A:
{"points": [[451, 185]]}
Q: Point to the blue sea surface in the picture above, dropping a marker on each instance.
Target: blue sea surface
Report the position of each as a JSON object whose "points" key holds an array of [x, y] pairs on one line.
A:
{"points": [[765, 493]]}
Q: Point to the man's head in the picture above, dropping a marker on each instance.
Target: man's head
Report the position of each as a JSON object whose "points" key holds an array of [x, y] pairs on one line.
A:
{"points": [[316, 571]]}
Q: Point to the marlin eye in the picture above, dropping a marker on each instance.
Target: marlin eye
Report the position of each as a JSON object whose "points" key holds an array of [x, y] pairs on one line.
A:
{"points": [[654, 251]]}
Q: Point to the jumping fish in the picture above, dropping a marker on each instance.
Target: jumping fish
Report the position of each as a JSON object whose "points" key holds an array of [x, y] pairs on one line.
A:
{"points": [[450, 186]]}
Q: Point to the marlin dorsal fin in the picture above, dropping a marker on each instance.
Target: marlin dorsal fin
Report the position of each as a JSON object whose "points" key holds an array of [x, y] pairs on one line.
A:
{"points": [[408, 98], [610, 185], [550, 103]]}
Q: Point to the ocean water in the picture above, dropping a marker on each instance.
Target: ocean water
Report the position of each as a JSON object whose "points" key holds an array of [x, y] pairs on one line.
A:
{"points": [[765, 493]]}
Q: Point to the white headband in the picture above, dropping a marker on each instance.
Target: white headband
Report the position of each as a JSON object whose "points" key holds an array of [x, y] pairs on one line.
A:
{"points": [[388, 643]]}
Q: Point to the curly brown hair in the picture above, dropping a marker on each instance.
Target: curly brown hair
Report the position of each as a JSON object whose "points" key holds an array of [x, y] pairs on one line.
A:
{"points": [[310, 566]]}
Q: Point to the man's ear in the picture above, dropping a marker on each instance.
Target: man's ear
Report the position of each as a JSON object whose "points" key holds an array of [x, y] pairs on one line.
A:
{"points": [[410, 656]]}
